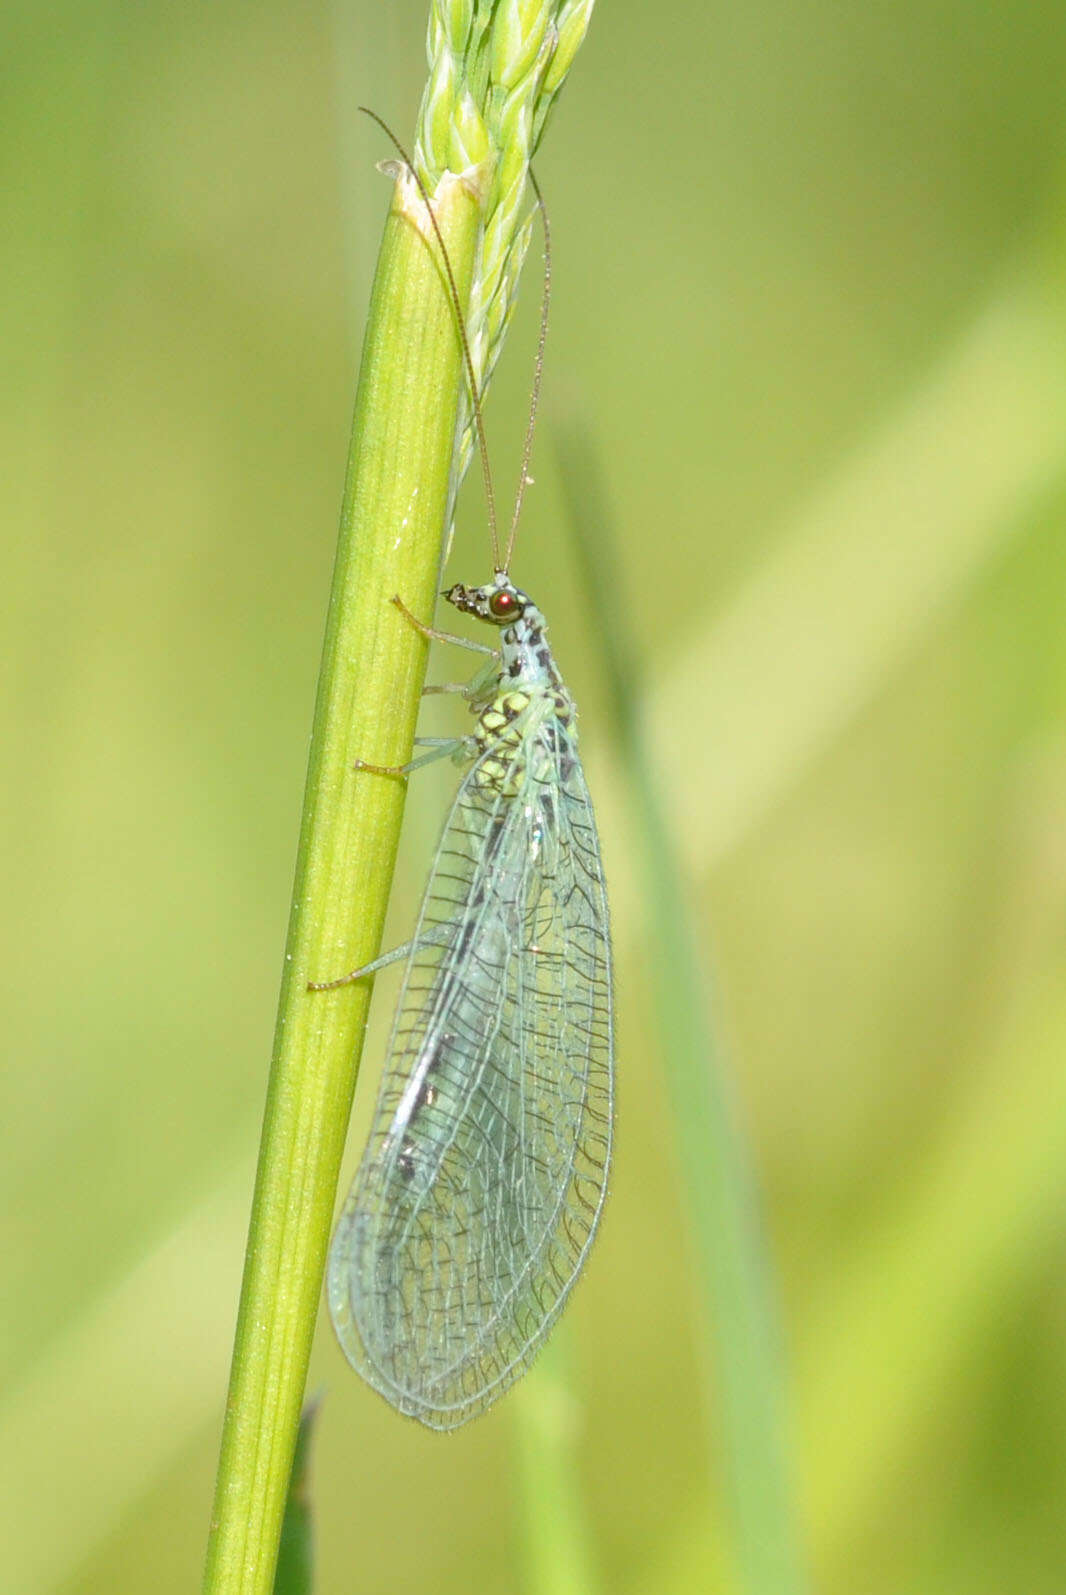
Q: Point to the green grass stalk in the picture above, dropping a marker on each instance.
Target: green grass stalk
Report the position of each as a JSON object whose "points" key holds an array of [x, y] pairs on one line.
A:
{"points": [[395, 504]]}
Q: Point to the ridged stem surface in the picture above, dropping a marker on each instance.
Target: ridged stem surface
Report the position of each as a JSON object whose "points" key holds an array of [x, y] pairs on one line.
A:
{"points": [[372, 672]]}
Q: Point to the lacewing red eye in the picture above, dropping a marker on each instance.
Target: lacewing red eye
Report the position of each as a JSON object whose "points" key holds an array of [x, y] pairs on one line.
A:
{"points": [[502, 604]]}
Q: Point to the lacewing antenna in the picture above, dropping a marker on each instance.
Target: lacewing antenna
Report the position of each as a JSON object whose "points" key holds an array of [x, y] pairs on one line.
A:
{"points": [[475, 396]]}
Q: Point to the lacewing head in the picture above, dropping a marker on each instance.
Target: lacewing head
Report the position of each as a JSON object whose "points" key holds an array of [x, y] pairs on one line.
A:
{"points": [[499, 601]]}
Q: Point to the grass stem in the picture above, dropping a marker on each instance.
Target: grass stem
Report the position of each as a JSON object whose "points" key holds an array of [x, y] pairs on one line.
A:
{"points": [[373, 665]]}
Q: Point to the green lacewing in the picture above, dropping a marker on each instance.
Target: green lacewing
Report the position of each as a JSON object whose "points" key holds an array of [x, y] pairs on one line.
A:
{"points": [[484, 1177]]}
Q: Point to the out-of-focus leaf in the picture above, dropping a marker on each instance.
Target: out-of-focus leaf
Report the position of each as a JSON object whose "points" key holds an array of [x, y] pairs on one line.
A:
{"points": [[557, 1551], [295, 1571], [748, 1425]]}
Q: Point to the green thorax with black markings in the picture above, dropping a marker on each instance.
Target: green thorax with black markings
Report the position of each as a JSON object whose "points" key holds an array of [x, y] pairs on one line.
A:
{"points": [[528, 692]]}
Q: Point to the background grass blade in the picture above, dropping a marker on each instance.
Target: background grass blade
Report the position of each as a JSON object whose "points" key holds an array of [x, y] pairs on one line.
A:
{"points": [[295, 1572], [557, 1548], [747, 1416]]}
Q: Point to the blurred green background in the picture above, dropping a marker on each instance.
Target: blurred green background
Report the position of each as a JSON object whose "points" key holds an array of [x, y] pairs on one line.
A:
{"points": [[810, 301]]}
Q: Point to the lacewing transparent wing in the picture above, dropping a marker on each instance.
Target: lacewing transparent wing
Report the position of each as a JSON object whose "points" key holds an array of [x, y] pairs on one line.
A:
{"points": [[484, 1177]]}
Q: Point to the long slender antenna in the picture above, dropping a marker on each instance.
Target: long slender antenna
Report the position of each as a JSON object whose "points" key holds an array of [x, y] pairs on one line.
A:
{"points": [[538, 368], [475, 397]]}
